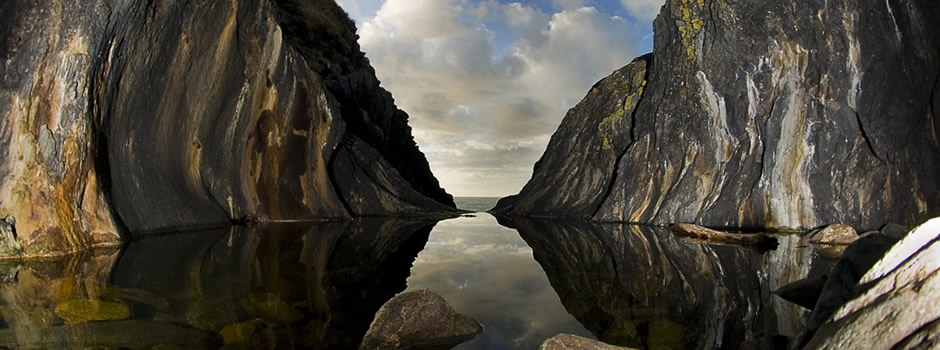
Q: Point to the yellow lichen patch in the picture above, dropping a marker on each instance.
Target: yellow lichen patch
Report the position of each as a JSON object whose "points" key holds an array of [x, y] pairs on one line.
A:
{"points": [[691, 25], [609, 124], [85, 310]]}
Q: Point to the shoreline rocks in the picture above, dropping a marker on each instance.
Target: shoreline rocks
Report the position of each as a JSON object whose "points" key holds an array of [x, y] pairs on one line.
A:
{"points": [[419, 319]]}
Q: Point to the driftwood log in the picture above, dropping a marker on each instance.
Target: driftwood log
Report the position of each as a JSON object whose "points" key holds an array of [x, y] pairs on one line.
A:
{"points": [[758, 241]]}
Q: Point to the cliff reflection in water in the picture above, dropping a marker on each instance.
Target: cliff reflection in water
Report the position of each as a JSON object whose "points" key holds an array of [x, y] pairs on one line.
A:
{"points": [[282, 285], [643, 287]]}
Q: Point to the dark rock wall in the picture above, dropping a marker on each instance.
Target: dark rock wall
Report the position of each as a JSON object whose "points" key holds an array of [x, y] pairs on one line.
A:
{"points": [[759, 114], [142, 116]]}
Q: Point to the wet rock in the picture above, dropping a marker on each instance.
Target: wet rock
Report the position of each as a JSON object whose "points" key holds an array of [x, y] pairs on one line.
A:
{"points": [[110, 121], [574, 342], [894, 302], [834, 234], [76, 311], [804, 292], [419, 318], [757, 114]]}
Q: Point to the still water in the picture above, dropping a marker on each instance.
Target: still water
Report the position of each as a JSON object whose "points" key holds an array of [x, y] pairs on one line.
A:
{"points": [[317, 286], [487, 272]]}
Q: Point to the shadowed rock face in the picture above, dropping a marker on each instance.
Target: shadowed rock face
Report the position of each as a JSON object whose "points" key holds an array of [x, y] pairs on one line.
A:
{"points": [[758, 114], [153, 115], [644, 287]]}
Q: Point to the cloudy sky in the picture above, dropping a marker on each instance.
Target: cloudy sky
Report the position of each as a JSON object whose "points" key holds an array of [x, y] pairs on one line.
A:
{"points": [[486, 82]]}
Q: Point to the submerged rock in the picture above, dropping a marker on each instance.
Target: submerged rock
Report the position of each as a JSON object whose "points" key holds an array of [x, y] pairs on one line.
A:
{"points": [[85, 310], [417, 319], [574, 342], [757, 114], [152, 116]]}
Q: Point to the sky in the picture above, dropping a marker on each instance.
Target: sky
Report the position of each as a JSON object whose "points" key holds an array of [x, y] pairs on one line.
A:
{"points": [[486, 82]]}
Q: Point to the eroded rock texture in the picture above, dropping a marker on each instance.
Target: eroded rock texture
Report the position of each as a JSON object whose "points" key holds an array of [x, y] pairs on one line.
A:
{"points": [[153, 115], [758, 114]]}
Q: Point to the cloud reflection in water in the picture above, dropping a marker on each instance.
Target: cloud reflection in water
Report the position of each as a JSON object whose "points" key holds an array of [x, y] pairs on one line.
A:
{"points": [[487, 272]]}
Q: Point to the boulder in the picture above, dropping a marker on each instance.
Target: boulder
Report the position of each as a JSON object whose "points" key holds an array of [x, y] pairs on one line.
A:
{"points": [[757, 114], [834, 234], [417, 319], [574, 342], [893, 303]]}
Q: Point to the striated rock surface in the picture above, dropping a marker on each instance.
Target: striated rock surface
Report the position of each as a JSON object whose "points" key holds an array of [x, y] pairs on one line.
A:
{"points": [[419, 319], [127, 116], [893, 304], [757, 114]]}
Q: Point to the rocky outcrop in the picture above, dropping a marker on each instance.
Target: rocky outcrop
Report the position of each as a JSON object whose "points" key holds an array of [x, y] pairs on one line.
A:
{"points": [[893, 304], [757, 114], [419, 319], [132, 117]]}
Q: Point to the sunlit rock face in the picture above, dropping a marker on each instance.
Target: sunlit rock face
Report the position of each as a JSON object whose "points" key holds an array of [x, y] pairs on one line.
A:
{"points": [[153, 115], [758, 114]]}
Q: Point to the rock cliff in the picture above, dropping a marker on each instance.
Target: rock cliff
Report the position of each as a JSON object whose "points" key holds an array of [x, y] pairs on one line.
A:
{"points": [[757, 114], [136, 116]]}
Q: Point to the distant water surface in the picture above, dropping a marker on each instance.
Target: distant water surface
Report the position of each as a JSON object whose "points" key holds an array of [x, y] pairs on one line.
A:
{"points": [[476, 204]]}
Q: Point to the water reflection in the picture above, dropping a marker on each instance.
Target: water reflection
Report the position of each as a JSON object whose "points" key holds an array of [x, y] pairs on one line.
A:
{"points": [[487, 272], [277, 286], [643, 287]]}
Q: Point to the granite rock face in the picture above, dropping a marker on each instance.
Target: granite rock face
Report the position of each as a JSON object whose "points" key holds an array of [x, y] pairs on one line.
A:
{"points": [[121, 116], [758, 114]]}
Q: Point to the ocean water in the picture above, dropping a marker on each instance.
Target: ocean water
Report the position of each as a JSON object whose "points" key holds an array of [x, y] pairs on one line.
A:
{"points": [[476, 204]]}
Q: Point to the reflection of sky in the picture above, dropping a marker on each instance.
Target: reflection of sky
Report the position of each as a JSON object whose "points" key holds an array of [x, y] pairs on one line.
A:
{"points": [[487, 272]]}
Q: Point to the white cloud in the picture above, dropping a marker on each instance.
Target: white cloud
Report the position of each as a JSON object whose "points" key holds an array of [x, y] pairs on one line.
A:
{"points": [[483, 107], [645, 10]]}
